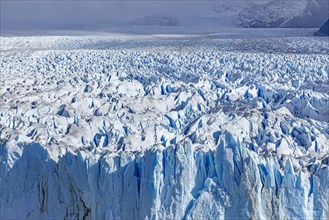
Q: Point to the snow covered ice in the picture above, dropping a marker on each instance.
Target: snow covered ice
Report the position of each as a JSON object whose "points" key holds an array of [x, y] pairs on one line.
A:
{"points": [[199, 126]]}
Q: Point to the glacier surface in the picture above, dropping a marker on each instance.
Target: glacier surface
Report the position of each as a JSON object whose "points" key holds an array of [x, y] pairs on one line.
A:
{"points": [[164, 127]]}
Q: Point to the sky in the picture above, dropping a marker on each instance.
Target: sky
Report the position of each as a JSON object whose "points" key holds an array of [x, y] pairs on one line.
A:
{"points": [[91, 13], [102, 14]]}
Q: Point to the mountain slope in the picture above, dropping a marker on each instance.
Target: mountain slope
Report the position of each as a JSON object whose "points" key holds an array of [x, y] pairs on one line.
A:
{"points": [[282, 13], [324, 30]]}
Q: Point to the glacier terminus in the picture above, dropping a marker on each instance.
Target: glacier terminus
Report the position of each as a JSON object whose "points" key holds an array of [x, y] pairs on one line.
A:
{"points": [[165, 126]]}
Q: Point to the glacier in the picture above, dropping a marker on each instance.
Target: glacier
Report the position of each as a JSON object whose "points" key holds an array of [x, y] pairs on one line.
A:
{"points": [[126, 126]]}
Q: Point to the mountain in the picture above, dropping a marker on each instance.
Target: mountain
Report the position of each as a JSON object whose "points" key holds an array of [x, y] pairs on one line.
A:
{"points": [[324, 30], [103, 15], [283, 13], [156, 20]]}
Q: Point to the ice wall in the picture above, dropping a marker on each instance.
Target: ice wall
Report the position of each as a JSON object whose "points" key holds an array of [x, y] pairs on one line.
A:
{"points": [[179, 182]]}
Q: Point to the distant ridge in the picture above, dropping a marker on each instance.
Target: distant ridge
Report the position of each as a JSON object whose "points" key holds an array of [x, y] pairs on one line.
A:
{"points": [[282, 13], [324, 30]]}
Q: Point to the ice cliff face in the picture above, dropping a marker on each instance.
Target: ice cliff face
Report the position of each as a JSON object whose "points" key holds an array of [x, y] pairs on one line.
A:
{"points": [[177, 182], [144, 132]]}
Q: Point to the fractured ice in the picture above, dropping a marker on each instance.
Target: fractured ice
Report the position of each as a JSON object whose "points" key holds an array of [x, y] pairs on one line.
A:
{"points": [[147, 132]]}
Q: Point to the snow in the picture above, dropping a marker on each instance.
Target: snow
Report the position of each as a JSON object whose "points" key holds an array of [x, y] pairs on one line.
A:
{"points": [[281, 13], [174, 126]]}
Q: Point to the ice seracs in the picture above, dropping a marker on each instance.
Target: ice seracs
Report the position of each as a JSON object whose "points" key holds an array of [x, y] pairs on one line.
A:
{"points": [[152, 133]]}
